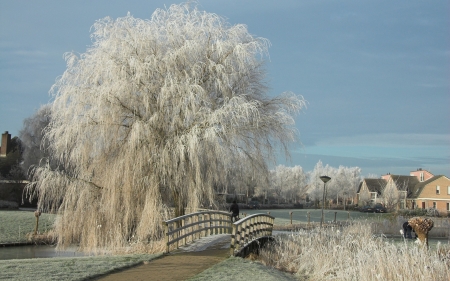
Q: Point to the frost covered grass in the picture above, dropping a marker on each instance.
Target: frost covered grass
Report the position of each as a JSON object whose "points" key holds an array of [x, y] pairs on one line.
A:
{"points": [[353, 253], [241, 269], [15, 225], [79, 268]]}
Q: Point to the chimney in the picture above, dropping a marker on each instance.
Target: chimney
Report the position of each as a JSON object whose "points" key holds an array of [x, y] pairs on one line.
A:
{"points": [[6, 144]]}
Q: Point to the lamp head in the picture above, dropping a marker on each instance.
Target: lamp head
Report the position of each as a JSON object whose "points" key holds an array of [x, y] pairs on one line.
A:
{"points": [[325, 179]]}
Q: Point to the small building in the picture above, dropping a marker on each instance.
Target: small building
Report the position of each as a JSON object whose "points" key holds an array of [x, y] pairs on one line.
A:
{"points": [[6, 144]]}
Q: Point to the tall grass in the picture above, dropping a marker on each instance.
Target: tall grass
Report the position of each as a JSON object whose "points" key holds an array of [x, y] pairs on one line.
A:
{"points": [[353, 253]]}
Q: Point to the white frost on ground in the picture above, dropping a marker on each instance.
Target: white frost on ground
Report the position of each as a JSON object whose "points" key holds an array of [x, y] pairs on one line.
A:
{"points": [[203, 243]]}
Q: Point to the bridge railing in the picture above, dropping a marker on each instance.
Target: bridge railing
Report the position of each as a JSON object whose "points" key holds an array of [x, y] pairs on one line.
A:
{"points": [[247, 229], [182, 230]]}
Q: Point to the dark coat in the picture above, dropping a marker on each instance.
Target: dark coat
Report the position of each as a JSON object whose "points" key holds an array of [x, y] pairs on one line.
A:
{"points": [[406, 226], [234, 208]]}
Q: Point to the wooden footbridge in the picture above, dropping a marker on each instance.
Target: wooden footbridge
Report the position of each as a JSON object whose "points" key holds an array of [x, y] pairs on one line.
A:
{"points": [[247, 234]]}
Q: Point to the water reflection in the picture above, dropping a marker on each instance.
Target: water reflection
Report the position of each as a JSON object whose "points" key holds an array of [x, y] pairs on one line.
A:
{"points": [[34, 251]]}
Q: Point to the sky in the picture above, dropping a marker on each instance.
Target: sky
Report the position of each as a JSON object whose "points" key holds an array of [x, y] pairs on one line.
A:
{"points": [[375, 73]]}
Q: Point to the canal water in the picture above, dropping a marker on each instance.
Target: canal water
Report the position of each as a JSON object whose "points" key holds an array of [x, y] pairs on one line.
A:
{"points": [[36, 251]]}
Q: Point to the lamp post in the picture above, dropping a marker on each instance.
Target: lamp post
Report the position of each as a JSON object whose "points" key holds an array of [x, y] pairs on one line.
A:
{"points": [[325, 179]]}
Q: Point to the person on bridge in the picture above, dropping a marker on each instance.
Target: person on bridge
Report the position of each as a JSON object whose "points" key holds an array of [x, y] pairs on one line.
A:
{"points": [[234, 209]]}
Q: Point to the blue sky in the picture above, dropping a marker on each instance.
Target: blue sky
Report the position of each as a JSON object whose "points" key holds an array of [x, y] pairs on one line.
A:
{"points": [[375, 73]]}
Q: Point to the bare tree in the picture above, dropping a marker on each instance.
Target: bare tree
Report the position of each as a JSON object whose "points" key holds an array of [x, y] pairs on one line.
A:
{"points": [[390, 195], [153, 115], [31, 136], [279, 181], [395, 192], [315, 190], [346, 182], [364, 197], [298, 181], [10, 164]]}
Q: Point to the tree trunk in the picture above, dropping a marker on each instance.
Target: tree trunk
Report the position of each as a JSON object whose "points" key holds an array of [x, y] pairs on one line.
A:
{"points": [[37, 225], [178, 205]]}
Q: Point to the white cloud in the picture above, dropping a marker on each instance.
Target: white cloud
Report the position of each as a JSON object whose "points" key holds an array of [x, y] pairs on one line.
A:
{"points": [[389, 140]]}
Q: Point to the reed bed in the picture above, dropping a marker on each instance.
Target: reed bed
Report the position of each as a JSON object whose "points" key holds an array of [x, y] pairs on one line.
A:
{"points": [[354, 253]]}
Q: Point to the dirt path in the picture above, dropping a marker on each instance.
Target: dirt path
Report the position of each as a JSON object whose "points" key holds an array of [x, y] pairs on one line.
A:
{"points": [[179, 265]]}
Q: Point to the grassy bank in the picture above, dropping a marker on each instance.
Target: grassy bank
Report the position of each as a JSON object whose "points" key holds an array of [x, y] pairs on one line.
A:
{"points": [[80, 268], [233, 269], [15, 225]]}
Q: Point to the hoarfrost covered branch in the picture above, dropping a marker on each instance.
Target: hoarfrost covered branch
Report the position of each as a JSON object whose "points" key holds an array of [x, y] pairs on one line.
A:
{"points": [[152, 116]]}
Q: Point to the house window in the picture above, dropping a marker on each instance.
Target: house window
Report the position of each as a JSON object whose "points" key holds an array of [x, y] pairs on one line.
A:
{"points": [[421, 176], [448, 189], [438, 189], [448, 206], [434, 205]]}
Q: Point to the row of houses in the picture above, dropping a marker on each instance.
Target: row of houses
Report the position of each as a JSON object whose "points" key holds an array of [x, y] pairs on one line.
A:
{"points": [[421, 189]]}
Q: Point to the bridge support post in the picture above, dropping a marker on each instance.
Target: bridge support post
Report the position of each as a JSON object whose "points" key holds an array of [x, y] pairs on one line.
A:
{"points": [[166, 229], [233, 239]]}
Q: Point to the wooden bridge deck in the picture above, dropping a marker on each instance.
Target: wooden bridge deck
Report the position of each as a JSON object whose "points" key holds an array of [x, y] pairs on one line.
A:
{"points": [[181, 264]]}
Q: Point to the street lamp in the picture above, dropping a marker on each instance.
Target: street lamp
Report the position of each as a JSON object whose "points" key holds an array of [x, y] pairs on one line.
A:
{"points": [[325, 179]]}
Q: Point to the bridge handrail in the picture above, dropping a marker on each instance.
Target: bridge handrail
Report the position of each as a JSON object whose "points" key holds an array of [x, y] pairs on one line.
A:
{"points": [[249, 228], [187, 228]]}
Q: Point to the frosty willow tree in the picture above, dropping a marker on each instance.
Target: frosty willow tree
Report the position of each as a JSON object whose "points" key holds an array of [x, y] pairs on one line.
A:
{"points": [[151, 117]]}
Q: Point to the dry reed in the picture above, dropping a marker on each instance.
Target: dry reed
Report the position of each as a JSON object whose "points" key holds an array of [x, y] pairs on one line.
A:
{"points": [[353, 253]]}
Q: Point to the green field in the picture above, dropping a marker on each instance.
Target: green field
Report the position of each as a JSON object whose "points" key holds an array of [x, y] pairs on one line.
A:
{"points": [[14, 225], [80, 268]]}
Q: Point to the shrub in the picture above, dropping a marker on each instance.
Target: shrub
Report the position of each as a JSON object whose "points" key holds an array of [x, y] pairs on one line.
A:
{"points": [[8, 205], [412, 213]]}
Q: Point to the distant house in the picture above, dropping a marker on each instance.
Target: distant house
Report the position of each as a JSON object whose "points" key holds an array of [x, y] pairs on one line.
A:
{"points": [[370, 190], [432, 193], [421, 189]]}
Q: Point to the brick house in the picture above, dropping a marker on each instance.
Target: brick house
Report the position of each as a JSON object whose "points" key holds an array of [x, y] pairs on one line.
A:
{"points": [[431, 193], [421, 189]]}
